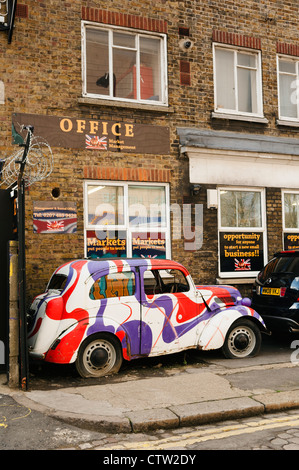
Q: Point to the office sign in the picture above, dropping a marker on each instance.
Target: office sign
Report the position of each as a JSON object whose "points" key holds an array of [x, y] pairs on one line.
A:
{"points": [[95, 134]]}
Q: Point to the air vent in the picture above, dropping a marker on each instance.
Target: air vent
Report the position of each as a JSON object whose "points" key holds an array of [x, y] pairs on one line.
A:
{"points": [[22, 11]]}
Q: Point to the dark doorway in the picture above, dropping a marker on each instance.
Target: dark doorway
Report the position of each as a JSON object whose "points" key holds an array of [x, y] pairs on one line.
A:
{"points": [[7, 232]]}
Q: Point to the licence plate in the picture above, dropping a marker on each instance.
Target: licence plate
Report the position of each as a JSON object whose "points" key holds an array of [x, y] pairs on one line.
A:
{"points": [[270, 291]]}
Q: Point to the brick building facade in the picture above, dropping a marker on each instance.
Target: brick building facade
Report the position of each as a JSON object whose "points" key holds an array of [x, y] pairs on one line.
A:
{"points": [[192, 105]]}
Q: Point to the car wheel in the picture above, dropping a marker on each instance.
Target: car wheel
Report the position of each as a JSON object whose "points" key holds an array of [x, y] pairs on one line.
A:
{"points": [[98, 356], [242, 340]]}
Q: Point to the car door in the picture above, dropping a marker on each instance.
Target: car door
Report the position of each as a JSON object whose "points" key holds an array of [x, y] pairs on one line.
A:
{"points": [[170, 308], [114, 299]]}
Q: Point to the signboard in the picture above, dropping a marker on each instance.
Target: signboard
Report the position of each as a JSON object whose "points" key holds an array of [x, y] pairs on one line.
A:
{"points": [[241, 252], [148, 245], [54, 217], [291, 241], [93, 134], [105, 244]]}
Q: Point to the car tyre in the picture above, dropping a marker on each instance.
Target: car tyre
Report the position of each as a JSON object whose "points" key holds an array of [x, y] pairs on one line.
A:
{"points": [[243, 339], [99, 355]]}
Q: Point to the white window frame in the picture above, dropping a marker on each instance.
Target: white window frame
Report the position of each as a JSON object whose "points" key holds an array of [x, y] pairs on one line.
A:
{"points": [[126, 226], [284, 228], [262, 229], [296, 89], [259, 90], [163, 65]]}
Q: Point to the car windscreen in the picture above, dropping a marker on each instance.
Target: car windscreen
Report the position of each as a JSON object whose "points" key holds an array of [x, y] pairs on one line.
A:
{"points": [[57, 282], [280, 265]]}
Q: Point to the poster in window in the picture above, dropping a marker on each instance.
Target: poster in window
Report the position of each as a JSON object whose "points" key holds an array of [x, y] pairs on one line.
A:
{"points": [[148, 245], [54, 217], [241, 252], [291, 241], [106, 244]]}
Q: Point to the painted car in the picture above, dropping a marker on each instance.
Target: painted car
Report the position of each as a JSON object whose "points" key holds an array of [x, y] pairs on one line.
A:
{"points": [[98, 312]]}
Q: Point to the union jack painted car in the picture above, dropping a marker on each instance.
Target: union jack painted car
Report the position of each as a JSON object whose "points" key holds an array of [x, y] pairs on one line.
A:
{"points": [[98, 312]]}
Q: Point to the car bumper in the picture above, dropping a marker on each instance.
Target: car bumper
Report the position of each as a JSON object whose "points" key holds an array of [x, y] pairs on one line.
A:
{"points": [[282, 324], [36, 356]]}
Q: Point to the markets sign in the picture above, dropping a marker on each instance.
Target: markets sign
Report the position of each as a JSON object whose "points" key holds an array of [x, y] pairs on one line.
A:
{"points": [[94, 134], [291, 241], [241, 252]]}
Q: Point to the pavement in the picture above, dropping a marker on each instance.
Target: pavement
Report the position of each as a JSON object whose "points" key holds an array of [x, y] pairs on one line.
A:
{"points": [[202, 392]]}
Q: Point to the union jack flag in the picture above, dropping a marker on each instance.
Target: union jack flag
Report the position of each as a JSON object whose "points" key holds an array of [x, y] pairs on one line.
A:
{"points": [[57, 225], [242, 264], [96, 142]]}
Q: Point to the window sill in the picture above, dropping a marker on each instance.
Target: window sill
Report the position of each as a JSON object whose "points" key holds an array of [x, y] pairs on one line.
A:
{"points": [[235, 280], [237, 117], [285, 122], [121, 104]]}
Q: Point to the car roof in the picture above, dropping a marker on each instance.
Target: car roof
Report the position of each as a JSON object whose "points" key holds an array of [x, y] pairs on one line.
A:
{"points": [[287, 253], [96, 265]]}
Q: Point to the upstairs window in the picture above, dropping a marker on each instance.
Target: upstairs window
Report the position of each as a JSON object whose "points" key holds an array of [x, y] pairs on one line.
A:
{"points": [[237, 81], [288, 80], [123, 65]]}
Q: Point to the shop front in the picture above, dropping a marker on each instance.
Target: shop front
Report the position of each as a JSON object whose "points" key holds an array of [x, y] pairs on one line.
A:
{"points": [[252, 182]]}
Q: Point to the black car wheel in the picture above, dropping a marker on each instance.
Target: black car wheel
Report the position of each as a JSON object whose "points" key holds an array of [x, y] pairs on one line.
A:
{"points": [[99, 355], [242, 340]]}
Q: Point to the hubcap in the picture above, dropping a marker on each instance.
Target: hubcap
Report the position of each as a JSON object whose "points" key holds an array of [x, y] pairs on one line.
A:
{"points": [[99, 357], [241, 341]]}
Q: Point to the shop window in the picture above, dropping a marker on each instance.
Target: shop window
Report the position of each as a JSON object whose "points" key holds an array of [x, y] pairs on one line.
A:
{"points": [[288, 79], [237, 81], [290, 204], [127, 220], [242, 236], [123, 65], [113, 285]]}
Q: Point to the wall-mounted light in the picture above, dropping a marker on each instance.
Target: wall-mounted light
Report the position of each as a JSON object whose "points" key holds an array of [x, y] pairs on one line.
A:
{"points": [[212, 198], [195, 189]]}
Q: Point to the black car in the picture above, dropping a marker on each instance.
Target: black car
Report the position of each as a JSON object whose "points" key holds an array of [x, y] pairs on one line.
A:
{"points": [[275, 294]]}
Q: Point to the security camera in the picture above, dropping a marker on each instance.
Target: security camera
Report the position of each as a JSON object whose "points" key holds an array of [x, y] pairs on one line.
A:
{"points": [[186, 44]]}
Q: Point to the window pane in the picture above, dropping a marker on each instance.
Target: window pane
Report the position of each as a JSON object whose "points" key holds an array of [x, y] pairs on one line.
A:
{"points": [[291, 210], [247, 60], [147, 206], [106, 244], [105, 205], [225, 88], [148, 245], [240, 209], [150, 73], [113, 285], [247, 93], [124, 68], [287, 66], [165, 281], [97, 61], [124, 40], [288, 106]]}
